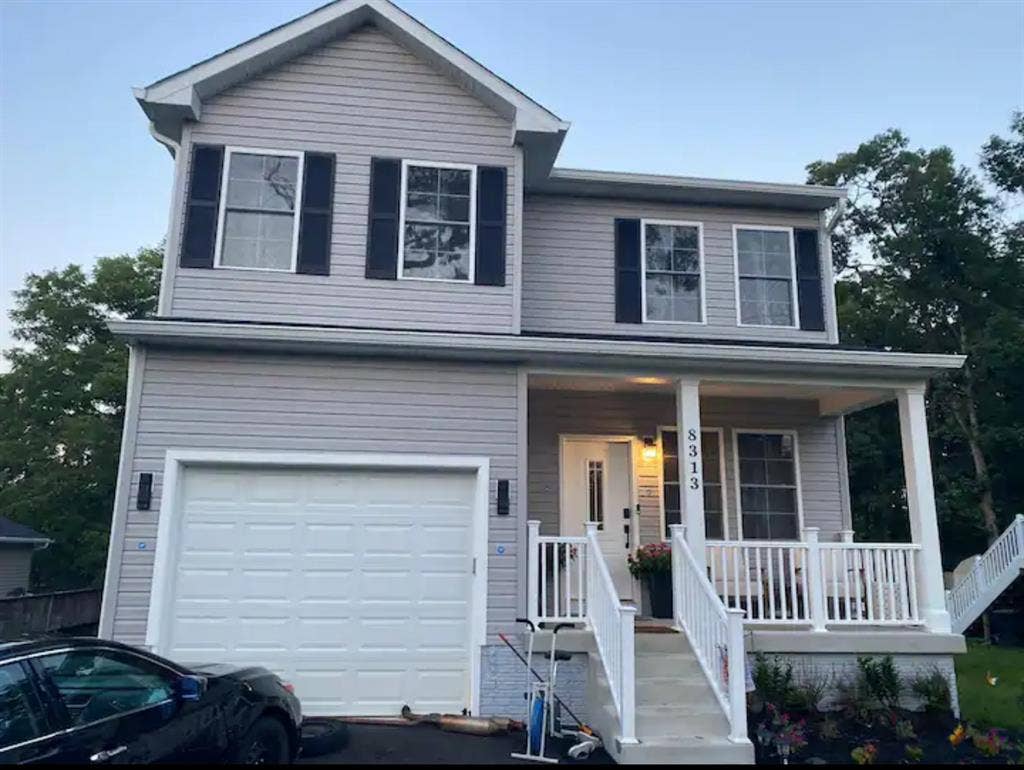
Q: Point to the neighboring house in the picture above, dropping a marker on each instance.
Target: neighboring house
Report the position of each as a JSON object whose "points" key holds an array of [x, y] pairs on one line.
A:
{"points": [[17, 544], [391, 333]]}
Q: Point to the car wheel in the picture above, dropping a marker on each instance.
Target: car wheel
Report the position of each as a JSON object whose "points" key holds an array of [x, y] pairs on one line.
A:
{"points": [[266, 743], [323, 736]]}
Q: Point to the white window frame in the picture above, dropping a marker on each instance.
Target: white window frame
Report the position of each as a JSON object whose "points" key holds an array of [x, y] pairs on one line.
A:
{"points": [[643, 270], [219, 243], [472, 168], [792, 279], [720, 435], [736, 433]]}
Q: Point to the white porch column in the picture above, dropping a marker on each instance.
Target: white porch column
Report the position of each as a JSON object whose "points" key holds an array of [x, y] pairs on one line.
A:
{"points": [[691, 477], [924, 523]]}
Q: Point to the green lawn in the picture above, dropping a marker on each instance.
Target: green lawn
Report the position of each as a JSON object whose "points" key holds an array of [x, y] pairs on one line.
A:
{"points": [[986, 705]]}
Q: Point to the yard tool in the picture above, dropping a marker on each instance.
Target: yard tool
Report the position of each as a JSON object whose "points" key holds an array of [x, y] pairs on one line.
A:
{"points": [[542, 712], [457, 723]]}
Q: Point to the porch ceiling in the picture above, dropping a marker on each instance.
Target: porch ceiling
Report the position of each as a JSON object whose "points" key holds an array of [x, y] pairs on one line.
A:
{"points": [[831, 399]]}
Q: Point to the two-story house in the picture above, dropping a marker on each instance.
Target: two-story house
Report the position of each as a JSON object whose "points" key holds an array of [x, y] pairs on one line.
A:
{"points": [[409, 381]]}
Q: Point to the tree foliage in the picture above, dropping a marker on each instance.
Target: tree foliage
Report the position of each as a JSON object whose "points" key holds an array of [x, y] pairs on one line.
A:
{"points": [[61, 409], [929, 260]]}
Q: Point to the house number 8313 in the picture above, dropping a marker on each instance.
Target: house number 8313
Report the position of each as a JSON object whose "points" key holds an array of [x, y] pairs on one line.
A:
{"points": [[693, 452]]}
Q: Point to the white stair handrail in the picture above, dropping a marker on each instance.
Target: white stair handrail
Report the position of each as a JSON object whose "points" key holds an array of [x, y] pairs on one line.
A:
{"points": [[992, 572], [612, 624], [714, 631]]}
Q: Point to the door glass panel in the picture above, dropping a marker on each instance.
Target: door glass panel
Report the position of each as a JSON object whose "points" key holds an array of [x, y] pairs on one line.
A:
{"points": [[96, 684], [21, 715]]}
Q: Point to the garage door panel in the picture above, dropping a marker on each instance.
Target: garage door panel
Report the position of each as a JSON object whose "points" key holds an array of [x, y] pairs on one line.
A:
{"points": [[355, 585]]}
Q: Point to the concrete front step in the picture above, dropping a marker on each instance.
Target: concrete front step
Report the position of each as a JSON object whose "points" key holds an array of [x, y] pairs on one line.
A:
{"points": [[680, 721], [695, 750], [671, 690], [672, 643], [667, 664]]}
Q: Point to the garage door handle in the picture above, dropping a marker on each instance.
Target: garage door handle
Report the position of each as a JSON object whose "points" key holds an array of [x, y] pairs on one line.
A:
{"points": [[103, 756]]}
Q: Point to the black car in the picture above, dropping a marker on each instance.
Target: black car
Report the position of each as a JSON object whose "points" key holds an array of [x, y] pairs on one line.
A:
{"points": [[94, 701]]}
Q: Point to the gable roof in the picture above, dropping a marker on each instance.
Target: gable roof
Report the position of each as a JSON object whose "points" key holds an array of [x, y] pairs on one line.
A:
{"points": [[13, 532], [179, 97]]}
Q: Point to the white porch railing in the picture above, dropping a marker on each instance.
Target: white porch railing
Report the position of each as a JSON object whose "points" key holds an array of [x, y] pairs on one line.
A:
{"points": [[568, 581], [715, 633], [811, 583], [991, 574]]}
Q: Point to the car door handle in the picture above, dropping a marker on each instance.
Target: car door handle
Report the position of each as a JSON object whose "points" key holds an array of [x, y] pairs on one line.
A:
{"points": [[103, 756]]}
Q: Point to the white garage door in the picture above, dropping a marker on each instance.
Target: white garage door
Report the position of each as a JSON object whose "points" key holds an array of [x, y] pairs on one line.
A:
{"points": [[354, 585]]}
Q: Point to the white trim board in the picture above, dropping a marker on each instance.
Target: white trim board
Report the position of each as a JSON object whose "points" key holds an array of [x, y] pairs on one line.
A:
{"points": [[166, 542]]}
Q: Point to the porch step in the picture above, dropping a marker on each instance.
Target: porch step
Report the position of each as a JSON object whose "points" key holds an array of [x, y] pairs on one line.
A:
{"points": [[678, 718]]}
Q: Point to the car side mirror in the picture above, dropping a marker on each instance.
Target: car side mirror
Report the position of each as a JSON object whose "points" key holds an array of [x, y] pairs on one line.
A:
{"points": [[191, 688]]}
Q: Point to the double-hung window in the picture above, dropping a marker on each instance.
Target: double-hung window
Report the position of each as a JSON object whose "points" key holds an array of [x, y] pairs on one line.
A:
{"points": [[768, 489], [258, 222], [765, 275], [673, 264], [438, 220], [712, 470]]}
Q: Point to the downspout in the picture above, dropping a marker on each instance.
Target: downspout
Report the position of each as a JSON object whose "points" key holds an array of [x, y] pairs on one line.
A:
{"points": [[171, 145], [845, 502], [840, 210]]}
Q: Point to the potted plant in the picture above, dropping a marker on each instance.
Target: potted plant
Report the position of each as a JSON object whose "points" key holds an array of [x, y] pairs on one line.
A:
{"points": [[653, 564]]}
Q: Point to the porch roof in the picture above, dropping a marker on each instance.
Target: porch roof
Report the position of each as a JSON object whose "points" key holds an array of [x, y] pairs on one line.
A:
{"points": [[756, 365]]}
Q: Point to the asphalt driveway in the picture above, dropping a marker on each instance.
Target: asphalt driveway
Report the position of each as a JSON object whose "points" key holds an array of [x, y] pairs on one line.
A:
{"points": [[427, 745]]}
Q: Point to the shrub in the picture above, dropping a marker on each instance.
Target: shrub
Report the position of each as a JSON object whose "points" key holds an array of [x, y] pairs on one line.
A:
{"points": [[904, 730], [854, 701], [828, 730], [881, 680], [773, 680], [913, 753], [990, 744], [866, 754], [654, 558], [784, 734], [933, 690], [809, 695]]}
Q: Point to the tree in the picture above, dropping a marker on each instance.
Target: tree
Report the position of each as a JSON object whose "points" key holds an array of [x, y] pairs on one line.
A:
{"points": [[62, 407], [927, 262]]}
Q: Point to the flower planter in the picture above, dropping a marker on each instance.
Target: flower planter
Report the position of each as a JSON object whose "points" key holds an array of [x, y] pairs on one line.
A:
{"points": [[659, 590]]}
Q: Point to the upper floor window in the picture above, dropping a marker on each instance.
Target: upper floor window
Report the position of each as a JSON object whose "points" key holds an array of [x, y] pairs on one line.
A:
{"points": [[673, 289], [258, 224], [765, 275], [436, 231]]}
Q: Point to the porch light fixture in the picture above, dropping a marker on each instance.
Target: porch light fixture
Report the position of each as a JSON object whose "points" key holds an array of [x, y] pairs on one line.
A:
{"points": [[650, 448]]}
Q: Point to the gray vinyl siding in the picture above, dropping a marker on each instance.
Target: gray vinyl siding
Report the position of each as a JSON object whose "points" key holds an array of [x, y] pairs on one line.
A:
{"points": [[15, 567], [238, 401], [552, 413], [569, 267], [357, 98]]}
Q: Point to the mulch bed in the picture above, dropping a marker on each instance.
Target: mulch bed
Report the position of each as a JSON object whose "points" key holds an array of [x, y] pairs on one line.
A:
{"points": [[931, 736]]}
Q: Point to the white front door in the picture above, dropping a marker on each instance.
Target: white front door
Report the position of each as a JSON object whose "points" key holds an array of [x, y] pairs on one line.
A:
{"points": [[596, 479]]}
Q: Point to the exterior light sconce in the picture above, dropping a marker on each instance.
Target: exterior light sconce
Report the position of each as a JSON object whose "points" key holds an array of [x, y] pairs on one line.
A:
{"points": [[650, 448]]}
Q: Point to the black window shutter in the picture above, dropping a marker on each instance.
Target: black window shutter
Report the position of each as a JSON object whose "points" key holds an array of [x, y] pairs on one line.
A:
{"points": [[202, 206], [490, 226], [315, 218], [382, 230], [627, 271], [809, 290]]}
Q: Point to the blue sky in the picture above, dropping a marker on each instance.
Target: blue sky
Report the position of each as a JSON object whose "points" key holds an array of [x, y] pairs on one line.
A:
{"points": [[742, 90]]}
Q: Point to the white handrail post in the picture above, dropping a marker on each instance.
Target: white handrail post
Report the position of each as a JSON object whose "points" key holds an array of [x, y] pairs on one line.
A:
{"points": [[737, 658], [846, 536], [627, 695], [815, 579], [532, 570], [1018, 520], [676, 533]]}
